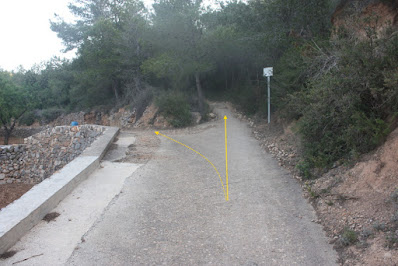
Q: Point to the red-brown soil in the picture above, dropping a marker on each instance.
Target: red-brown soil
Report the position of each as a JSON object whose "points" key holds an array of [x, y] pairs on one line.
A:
{"points": [[12, 140], [11, 192]]}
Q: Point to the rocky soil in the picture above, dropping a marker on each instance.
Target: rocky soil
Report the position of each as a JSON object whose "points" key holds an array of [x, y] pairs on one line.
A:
{"points": [[123, 118]]}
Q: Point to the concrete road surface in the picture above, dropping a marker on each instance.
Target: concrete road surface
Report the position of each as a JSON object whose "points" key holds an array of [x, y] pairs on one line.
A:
{"points": [[172, 210], [155, 202]]}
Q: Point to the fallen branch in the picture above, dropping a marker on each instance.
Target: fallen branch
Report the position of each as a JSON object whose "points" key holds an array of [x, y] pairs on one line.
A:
{"points": [[27, 258]]}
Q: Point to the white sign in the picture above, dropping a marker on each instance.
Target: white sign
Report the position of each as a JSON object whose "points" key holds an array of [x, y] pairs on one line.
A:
{"points": [[268, 72]]}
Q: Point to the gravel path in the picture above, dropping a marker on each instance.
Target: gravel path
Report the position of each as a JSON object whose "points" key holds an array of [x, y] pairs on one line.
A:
{"points": [[172, 210]]}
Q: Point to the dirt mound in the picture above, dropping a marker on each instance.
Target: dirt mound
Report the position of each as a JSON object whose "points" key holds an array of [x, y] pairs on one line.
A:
{"points": [[363, 199], [357, 16], [152, 118]]}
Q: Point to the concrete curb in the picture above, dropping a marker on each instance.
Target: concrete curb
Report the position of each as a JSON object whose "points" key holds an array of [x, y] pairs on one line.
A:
{"points": [[23, 214]]}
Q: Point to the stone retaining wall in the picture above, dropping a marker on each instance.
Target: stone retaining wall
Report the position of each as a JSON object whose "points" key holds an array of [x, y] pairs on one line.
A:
{"points": [[44, 153]]}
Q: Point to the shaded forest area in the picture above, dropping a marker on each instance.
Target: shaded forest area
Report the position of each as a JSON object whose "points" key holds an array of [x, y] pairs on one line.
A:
{"points": [[338, 80]]}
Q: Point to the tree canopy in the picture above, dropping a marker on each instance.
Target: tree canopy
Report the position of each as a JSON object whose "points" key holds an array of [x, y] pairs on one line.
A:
{"points": [[190, 52], [13, 103]]}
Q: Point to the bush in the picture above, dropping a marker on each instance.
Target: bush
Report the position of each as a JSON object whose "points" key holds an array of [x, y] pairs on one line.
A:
{"points": [[348, 237], [290, 76], [304, 169], [391, 240], [367, 233], [380, 226], [51, 114], [394, 196], [175, 108], [345, 110], [246, 99], [28, 118]]}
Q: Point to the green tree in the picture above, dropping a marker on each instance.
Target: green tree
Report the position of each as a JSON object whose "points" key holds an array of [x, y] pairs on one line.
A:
{"points": [[13, 104], [178, 40], [102, 38]]}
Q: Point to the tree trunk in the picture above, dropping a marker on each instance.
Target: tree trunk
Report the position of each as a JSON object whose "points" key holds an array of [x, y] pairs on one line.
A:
{"points": [[258, 96], [232, 80], [8, 130], [6, 137], [200, 93], [226, 79], [7, 133], [114, 87], [137, 82]]}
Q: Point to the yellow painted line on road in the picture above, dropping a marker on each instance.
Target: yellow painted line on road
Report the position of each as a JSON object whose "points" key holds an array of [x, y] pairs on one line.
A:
{"points": [[218, 173], [226, 156]]}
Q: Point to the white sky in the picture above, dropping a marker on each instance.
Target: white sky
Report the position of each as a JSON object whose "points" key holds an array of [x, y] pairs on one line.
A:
{"points": [[26, 37]]}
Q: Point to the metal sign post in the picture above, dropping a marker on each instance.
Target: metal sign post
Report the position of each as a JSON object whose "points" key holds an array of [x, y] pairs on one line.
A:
{"points": [[268, 72]]}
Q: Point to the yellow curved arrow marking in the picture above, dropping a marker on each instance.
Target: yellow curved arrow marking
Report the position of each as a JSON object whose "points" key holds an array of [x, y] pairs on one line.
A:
{"points": [[225, 193]]}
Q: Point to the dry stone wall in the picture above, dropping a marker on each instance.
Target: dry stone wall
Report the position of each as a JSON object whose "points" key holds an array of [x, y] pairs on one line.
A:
{"points": [[44, 153]]}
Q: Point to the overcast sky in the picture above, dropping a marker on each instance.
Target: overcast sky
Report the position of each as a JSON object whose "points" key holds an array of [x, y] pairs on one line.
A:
{"points": [[26, 37]]}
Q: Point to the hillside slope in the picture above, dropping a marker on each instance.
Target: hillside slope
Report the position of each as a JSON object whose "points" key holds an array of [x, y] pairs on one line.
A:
{"points": [[363, 199], [356, 204]]}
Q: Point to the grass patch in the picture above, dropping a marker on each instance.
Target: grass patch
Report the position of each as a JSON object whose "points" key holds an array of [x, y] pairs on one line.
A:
{"points": [[391, 240], [313, 194], [348, 237]]}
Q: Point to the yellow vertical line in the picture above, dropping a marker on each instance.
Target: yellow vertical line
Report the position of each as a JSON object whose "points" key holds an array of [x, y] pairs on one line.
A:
{"points": [[226, 157]]}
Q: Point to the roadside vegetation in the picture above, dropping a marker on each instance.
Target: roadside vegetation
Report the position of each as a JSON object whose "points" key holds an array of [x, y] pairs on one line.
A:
{"points": [[339, 85]]}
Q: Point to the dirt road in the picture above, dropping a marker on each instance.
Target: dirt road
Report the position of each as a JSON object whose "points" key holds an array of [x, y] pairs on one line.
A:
{"points": [[172, 210]]}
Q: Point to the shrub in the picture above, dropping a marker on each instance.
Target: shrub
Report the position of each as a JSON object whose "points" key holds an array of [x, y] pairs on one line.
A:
{"points": [[246, 99], [394, 196], [304, 170], [380, 226], [28, 118], [290, 76], [391, 240], [394, 218], [51, 114], [348, 237], [175, 108], [367, 233], [345, 111]]}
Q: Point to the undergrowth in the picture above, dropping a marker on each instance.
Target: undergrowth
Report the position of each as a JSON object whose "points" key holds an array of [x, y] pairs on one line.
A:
{"points": [[173, 105]]}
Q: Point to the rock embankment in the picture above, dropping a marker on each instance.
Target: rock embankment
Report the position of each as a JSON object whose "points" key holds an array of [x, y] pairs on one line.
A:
{"points": [[44, 153]]}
